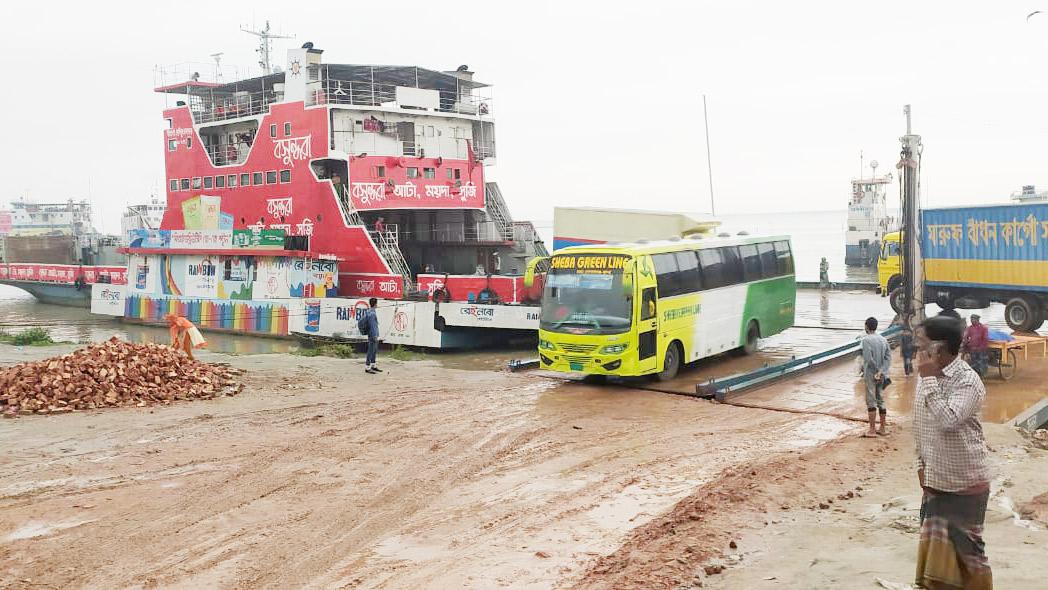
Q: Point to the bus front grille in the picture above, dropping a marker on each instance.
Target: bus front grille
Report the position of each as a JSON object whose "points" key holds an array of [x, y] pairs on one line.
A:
{"points": [[583, 348], [585, 360]]}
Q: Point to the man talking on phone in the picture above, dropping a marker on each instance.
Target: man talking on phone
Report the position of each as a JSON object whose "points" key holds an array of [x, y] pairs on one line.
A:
{"points": [[952, 461]]}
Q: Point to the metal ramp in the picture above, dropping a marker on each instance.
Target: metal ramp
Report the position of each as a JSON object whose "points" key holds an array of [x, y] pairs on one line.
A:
{"points": [[726, 387], [497, 211]]}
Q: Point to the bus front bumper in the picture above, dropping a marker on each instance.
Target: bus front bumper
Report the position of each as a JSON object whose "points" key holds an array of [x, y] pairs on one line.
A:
{"points": [[590, 364]]}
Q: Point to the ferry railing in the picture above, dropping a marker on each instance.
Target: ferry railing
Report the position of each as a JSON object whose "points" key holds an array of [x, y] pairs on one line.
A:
{"points": [[368, 94], [356, 142], [481, 232], [207, 107], [389, 234], [224, 154]]}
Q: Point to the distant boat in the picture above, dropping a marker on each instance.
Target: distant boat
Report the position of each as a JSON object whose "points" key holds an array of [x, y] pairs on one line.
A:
{"points": [[54, 252], [868, 219], [1029, 194], [142, 216]]}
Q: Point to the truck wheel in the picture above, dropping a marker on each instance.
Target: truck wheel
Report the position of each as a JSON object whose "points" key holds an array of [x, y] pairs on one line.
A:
{"points": [[897, 298], [1022, 316], [672, 364], [753, 336]]}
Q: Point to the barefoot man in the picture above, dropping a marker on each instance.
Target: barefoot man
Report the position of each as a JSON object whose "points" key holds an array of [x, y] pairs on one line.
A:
{"points": [[184, 335], [876, 360]]}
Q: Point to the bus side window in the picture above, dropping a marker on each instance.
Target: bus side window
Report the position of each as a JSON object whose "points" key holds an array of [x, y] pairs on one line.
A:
{"points": [[712, 267], [689, 278], [666, 274], [769, 265], [751, 262], [785, 259], [732, 265], [647, 304]]}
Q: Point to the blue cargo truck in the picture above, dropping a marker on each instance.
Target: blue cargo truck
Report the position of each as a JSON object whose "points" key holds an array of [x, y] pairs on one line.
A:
{"points": [[974, 256]]}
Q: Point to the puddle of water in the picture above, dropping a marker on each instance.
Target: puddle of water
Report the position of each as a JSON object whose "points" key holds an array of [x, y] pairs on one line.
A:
{"points": [[34, 529]]}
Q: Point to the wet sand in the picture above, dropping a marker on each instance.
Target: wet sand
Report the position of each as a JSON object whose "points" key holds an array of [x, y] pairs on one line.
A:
{"points": [[319, 475], [444, 472]]}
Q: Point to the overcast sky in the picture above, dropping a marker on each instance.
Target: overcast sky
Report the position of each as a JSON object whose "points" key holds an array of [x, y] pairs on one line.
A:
{"points": [[596, 103]]}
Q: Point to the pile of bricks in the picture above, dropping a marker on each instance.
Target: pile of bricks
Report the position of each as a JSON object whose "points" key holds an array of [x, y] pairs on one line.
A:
{"points": [[111, 374]]}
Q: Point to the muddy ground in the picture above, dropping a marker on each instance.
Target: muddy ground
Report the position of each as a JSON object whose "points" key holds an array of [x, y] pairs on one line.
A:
{"points": [[433, 477]]}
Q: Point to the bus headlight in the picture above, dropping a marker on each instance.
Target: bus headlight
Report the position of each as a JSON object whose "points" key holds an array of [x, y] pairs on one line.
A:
{"points": [[546, 345], [613, 349]]}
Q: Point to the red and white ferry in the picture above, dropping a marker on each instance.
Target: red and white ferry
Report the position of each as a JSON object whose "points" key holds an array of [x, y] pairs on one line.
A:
{"points": [[378, 170]]}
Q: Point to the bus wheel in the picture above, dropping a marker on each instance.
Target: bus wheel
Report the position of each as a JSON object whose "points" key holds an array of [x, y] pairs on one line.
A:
{"points": [[1022, 316], [897, 299], [753, 336], [672, 364]]}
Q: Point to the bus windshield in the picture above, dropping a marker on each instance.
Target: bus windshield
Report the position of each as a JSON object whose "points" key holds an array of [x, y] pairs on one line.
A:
{"points": [[587, 294]]}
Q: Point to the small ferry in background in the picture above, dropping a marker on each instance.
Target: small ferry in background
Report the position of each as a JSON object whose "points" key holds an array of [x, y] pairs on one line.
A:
{"points": [[1029, 194], [54, 252], [868, 218], [142, 216]]}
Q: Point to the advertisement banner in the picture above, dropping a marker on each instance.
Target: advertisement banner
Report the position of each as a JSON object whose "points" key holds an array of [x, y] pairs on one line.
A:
{"points": [[142, 271], [149, 238], [372, 285], [337, 317], [225, 221], [517, 317], [107, 299], [63, 273], [116, 275], [314, 278], [262, 239], [202, 212], [210, 212], [201, 277], [272, 280], [201, 239]]}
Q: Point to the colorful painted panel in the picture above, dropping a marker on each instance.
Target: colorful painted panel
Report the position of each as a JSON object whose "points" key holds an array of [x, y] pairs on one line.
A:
{"points": [[269, 317]]}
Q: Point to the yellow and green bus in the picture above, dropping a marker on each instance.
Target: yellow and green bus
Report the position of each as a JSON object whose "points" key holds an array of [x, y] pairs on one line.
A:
{"points": [[646, 308]]}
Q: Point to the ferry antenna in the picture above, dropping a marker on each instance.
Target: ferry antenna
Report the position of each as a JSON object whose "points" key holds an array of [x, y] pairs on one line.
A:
{"points": [[265, 45]]}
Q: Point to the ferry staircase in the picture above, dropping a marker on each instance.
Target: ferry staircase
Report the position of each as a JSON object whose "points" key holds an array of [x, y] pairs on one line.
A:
{"points": [[498, 212], [388, 244]]}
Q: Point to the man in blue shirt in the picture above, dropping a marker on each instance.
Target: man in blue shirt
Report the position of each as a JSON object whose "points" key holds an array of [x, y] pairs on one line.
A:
{"points": [[372, 320], [876, 360]]}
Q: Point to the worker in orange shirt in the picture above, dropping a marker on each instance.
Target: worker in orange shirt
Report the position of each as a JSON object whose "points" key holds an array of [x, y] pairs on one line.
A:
{"points": [[184, 335]]}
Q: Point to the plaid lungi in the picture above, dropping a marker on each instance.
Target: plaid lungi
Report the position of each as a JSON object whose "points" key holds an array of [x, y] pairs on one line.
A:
{"points": [[951, 553]]}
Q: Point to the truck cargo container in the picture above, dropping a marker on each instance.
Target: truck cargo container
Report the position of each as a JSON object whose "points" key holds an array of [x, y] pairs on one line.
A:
{"points": [[974, 256]]}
